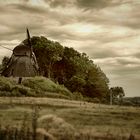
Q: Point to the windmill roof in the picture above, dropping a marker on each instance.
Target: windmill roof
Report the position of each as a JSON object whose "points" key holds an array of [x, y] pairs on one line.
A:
{"points": [[21, 46], [21, 49]]}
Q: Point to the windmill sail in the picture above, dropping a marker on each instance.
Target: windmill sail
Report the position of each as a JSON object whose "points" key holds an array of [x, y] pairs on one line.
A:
{"points": [[28, 35], [6, 48], [22, 62], [29, 41]]}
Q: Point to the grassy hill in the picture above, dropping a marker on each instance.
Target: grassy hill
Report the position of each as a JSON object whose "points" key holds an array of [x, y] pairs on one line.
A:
{"points": [[35, 87]]}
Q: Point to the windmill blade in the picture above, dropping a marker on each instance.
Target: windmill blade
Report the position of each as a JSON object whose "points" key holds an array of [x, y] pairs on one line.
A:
{"points": [[28, 37], [29, 42], [28, 34], [6, 47]]}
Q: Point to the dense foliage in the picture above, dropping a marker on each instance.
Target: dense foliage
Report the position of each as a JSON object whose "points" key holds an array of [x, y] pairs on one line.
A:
{"points": [[117, 94], [5, 61], [70, 68]]}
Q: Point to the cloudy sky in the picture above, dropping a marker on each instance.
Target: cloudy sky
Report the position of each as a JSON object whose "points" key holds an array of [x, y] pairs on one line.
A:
{"points": [[107, 30]]}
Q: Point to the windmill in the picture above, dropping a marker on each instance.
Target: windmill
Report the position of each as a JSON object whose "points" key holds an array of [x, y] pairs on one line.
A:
{"points": [[23, 61]]}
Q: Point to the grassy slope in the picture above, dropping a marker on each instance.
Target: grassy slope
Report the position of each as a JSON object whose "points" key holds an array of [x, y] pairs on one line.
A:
{"points": [[35, 87], [85, 117]]}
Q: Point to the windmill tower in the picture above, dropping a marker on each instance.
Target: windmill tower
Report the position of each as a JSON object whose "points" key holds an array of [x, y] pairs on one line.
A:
{"points": [[23, 62]]}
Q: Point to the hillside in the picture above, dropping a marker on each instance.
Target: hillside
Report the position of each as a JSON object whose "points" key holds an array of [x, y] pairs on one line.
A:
{"points": [[35, 87]]}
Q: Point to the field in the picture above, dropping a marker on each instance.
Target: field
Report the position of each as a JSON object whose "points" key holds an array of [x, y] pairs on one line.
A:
{"points": [[73, 117]]}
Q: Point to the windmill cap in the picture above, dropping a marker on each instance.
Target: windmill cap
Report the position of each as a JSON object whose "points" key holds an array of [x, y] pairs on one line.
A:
{"points": [[21, 49]]}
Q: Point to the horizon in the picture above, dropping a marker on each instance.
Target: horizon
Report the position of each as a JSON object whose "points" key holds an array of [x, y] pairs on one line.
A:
{"points": [[107, 31]]}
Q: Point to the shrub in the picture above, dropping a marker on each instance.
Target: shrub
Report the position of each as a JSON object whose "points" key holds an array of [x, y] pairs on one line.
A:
{"points": [[6, 84]]}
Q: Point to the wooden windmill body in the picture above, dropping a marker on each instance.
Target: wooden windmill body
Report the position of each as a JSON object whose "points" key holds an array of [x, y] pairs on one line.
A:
{"points": [[22, 62]]}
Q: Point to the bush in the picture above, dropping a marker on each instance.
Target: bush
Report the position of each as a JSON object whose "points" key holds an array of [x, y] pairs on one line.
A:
{"points": [[6, 84]]}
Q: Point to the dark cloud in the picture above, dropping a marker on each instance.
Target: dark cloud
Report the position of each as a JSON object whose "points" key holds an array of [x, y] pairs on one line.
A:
{"points": [[56, 3], [60, 3], [83, 4], [97, 4]]}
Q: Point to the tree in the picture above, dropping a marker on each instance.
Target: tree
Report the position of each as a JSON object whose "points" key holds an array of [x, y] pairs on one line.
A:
{"points": [[117, 94], [76, 84], [5, 61], [97, 83]]}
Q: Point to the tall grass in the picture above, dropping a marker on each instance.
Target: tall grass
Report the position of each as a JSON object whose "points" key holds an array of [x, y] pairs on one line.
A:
{"points": [[42, 122], [51, 127]]}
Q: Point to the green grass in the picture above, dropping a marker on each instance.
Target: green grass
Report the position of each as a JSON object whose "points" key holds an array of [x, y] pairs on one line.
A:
{"points": [[84, 118], [35, 87]]}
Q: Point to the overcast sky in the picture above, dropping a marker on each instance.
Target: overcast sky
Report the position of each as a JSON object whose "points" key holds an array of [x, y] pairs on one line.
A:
{"points": [[107, 30]]}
